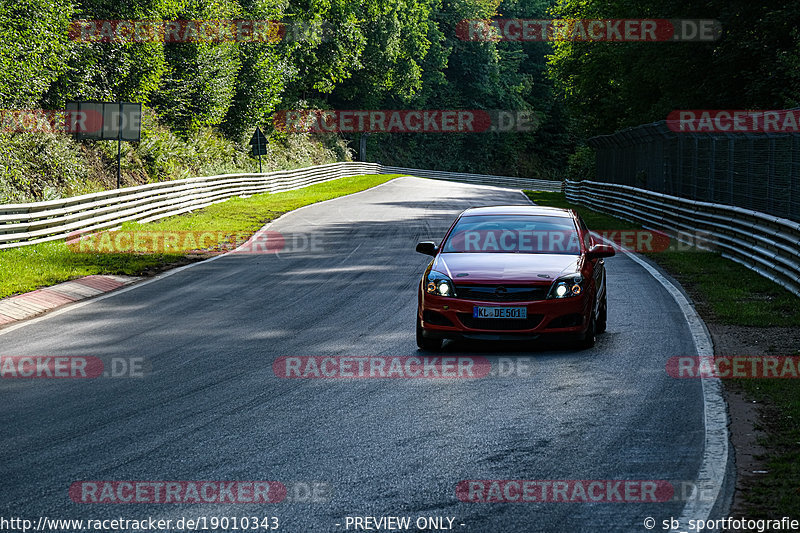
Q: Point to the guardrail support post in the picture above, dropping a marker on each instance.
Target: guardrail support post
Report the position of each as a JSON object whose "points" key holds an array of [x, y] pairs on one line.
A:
{"points": [[119, 146], [362, 148]]}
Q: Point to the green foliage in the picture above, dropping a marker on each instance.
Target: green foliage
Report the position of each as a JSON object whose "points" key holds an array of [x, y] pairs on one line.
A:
{"points": [[324, 46], [112, 71], [396, 42], [198, 86], [610, 86], [581, 164], [40, 166], [205, 98], [36, 166], [458, 74], [165, 156], [32, 46]]}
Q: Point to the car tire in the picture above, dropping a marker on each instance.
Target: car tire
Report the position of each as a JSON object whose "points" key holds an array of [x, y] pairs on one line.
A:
{"points": [[427, 343], [602, 316], [590, 336]]}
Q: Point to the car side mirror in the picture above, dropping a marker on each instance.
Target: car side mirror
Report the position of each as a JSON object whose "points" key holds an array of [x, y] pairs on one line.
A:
{"points": [[599, 251], [427, 248]]}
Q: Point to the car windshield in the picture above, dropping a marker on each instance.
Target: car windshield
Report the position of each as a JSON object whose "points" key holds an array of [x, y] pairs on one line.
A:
{"points": [[513, 234]]}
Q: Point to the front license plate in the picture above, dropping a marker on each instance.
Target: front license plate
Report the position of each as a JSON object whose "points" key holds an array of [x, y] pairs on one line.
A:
{"points": [[499, 312]]}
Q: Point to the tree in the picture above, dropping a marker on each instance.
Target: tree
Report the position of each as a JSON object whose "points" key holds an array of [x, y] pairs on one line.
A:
{"points": [[609, 86], [33, 42]]}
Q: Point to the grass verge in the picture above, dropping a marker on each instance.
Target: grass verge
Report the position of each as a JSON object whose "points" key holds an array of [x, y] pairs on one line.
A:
{"points": [[31, 267], [727, 293]]}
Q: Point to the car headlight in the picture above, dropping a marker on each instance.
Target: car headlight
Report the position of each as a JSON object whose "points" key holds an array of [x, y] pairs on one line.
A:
{"points": [[439, 284], [566, 287]]}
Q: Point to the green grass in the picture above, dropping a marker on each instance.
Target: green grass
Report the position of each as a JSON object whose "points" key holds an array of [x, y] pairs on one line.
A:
{"points": [[735, 294], [777, 493], [727, 293], [246, 215], [31, 267]]}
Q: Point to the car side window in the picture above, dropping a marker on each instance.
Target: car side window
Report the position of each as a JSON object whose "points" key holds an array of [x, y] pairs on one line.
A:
{"points": [[588, 240]]}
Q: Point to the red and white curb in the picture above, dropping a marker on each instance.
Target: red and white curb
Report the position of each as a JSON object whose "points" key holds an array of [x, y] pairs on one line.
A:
{"points": [[34, 303]]}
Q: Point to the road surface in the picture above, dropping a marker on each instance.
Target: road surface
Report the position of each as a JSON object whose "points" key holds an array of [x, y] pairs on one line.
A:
{"points": [[210, 406]]}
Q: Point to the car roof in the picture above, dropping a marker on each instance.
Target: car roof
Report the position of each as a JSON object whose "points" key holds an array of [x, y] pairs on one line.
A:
{"points": [[518, 210]]}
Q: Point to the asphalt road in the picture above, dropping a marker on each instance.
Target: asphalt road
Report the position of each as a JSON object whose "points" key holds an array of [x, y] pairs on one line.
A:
{"points": [[210, 406]]}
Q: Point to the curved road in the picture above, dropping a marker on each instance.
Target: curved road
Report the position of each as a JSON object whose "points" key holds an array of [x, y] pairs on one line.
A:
{"points": [[210, 406]]}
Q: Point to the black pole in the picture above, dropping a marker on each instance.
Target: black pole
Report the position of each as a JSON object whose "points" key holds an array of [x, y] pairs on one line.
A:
{"points": [[258, 137], [119, 145], [363, 147]]}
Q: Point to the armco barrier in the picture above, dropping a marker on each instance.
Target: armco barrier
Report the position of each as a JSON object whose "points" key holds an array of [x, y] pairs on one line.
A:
{"points": [[479, 179], [23, 224], [764, 243]]}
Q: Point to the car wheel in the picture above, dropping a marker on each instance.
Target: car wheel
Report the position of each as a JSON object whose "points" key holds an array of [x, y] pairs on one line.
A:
{"points": [[602, 316], [590, 336], [427, 343]]}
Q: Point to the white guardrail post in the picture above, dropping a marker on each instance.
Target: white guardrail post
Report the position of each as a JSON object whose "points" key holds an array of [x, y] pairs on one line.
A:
{"points": [[764, 243], [24, 224]]}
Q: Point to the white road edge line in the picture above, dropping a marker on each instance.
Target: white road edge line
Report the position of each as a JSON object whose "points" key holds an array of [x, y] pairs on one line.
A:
{"points": [[711, 475], [77, 305]]}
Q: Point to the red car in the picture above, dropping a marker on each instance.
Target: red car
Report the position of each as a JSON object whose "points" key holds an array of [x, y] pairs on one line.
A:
{"points": [[513, 273]]}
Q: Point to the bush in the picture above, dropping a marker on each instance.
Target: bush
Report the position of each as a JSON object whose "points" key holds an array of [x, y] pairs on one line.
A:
{"points": [[581, 164], [41, 166], [46, 166]]}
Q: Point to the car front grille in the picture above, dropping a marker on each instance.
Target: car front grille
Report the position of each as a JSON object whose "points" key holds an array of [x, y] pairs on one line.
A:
{"points": [[498, 324], [511, 293]]}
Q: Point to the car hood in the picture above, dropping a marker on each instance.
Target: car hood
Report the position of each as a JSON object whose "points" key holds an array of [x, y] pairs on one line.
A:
{"points": [[493, 267]]}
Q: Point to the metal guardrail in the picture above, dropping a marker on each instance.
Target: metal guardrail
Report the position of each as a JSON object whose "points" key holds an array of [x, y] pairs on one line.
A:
{"points": [[758, 171], [479, 179], [24, 224], [767, 244]]}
